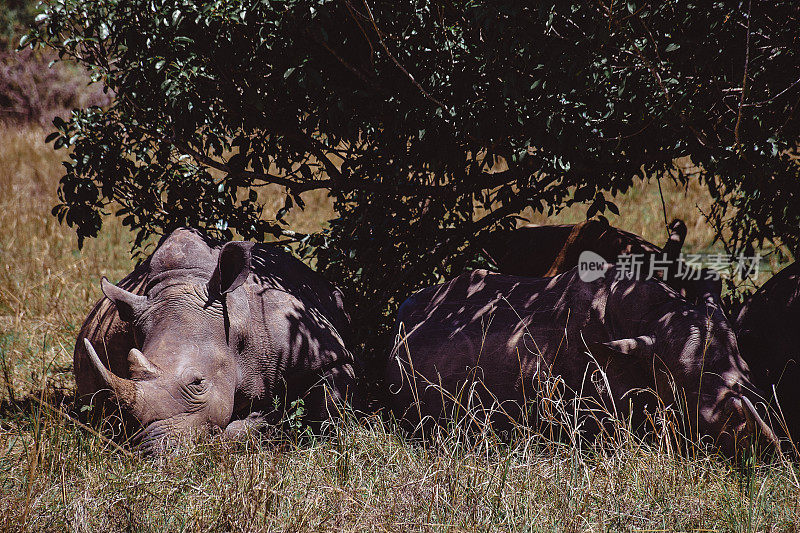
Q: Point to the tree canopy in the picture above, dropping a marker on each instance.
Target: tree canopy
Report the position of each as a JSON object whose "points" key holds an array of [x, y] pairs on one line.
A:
{"points": [[401, 110]]}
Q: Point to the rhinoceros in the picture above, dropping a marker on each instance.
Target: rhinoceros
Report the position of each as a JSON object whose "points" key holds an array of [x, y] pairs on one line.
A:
{"points": [[545, 251], [769, 339], [205, 334], [502, 336]]}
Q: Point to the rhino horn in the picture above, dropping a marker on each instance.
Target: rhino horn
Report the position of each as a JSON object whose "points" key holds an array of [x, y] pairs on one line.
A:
{"points": [[755, 421], [138, 361], [123, 389]]}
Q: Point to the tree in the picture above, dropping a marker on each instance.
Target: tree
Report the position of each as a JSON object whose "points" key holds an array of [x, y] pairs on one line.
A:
{"points": [[401, 109]]}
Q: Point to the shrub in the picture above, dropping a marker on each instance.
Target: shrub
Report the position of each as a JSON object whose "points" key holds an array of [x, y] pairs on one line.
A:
{"points": [[429, 123]]}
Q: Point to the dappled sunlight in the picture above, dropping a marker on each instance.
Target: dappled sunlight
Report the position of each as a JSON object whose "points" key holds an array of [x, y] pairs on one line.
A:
{"points": [[501, 339]]}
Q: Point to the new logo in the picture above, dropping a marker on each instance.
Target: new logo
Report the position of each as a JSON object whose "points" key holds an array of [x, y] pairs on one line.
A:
{"points": [[591, 266]]}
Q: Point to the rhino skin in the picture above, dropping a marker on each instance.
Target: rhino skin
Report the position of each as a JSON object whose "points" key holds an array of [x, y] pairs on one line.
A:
{"points": [[769, 340], [207, 335], [546, 251], [503, 328]]}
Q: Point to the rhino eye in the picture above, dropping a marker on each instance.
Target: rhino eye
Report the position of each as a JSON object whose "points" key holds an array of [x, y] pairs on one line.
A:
{"points": [[197, 385]]}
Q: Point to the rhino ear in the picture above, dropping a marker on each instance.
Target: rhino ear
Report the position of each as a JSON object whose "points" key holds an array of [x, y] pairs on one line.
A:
{"points": [[639, 347], [128, 305], [233, 267], [677, 235]]}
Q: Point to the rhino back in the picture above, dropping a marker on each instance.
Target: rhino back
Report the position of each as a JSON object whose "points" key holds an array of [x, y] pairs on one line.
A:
{"points": [[528, 250], [775, 306], [554, 249], [769, 319], [506, 326], [274, 268]]}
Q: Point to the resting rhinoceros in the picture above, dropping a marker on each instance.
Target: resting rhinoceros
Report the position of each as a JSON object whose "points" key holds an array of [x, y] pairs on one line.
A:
{"points": [[769, 339], [544, 251], [213, 335], [506, 335]]}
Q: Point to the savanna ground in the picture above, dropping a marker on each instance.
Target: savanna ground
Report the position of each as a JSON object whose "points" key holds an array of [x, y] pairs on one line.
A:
{"points": [[56, 475]]}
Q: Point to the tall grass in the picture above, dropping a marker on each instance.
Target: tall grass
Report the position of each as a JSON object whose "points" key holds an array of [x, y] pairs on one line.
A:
{"points": [[56, 475], [366, 476], [46, 285]]}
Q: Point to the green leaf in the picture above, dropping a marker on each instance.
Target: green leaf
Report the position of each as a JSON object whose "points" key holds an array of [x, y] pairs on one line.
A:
{"points": [[431, 131]]}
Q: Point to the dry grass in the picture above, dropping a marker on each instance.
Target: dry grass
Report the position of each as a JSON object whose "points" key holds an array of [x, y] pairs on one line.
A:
{"points": [[641, 212], [57, 476], [364, 477], [46, 285]]}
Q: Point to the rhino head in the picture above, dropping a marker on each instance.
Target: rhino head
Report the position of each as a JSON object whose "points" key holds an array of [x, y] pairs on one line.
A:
{"points": [[690, 349], [191, 330]]}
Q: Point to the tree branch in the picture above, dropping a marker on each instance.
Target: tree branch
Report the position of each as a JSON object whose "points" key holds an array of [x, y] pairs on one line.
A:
{"points": [[744, 78], [425, 93], [294, 186]]}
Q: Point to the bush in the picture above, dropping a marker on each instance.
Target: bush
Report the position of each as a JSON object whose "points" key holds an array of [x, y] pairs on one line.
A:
{"points": [[430, 124]]}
